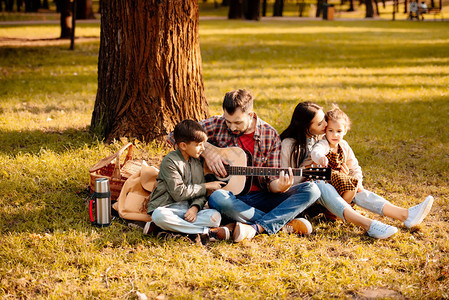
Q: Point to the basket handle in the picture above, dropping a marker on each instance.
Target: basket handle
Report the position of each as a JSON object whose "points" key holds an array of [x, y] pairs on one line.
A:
{"points": [[116, 173]]}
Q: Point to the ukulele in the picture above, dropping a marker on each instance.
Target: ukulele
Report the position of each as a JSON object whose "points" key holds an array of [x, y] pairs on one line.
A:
{"points": [[240, 176]]}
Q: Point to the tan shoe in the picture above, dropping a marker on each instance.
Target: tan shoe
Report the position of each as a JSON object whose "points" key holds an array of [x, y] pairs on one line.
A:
{"points": [[243, 231], [219, 234], [299, 226]]}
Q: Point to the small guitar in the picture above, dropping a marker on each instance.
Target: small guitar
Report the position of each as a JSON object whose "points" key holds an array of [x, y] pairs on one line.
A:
{"points": [[239, 177]]}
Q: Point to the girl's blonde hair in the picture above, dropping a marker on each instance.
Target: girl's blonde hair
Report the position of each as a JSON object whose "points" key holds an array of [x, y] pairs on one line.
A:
{"points": [[336, 114]]}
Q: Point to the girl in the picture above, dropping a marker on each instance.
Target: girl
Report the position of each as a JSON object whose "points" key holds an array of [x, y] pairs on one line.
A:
{"points": [[336, 153], [307, 125]]}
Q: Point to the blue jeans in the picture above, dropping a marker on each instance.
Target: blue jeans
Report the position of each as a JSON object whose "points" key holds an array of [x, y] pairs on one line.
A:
{"points": [[336, 204], [331, 200], [269, 210], [171, 217]]}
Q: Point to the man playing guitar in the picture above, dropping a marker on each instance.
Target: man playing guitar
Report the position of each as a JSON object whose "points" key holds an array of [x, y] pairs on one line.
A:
{"points": [[272, 203]]}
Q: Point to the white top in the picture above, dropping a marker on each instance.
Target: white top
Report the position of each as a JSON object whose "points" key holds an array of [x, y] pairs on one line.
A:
{"points": [[286, 150], [321, 149]]}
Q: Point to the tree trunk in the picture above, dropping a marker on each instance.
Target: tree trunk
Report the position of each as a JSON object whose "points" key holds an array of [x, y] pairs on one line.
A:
{"points": [[149, 69], [66, 19], [369, 9], [251, 10], [225, 3], [351, 5], [264, 8], [319, 7], [84, 10], [235, 9], [405, 7], [278, 8], [377, 7]]}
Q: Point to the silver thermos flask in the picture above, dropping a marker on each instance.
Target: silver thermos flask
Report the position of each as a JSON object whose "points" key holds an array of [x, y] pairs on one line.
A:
{"points": [[102, 200]]}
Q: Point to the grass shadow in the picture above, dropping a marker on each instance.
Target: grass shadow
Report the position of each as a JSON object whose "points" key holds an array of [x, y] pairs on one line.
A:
{"points": [[32, 141]]}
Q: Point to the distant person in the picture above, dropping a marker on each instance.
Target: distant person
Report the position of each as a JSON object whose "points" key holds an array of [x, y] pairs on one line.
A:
{"points": [[176, 203], [422, 9], [413, 10], [307, 126]]}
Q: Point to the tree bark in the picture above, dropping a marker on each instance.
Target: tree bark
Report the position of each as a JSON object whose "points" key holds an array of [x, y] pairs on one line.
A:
{"points": [[149, 69], [351, 5], [319, 7], [84, 10], [66, 19], [235, 9], [370, 13], [264, 8], [251, 10], [278, 8]]}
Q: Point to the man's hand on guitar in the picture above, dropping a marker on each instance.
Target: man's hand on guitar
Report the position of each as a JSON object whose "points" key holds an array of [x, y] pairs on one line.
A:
{"points": [[213, 186], [214, 162], [284, 182]]}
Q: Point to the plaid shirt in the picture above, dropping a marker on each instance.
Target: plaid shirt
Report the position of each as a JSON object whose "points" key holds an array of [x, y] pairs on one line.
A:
{"points": [[267, 147]]}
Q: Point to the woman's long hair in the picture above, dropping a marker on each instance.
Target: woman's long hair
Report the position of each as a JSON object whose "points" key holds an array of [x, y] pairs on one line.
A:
{"points": [[299, 130]]}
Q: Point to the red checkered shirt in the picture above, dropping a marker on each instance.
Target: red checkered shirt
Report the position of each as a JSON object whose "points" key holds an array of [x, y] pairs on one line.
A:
{"points": [[267, 147]]}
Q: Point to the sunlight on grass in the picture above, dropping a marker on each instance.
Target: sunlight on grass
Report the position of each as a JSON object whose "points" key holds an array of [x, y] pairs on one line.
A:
{"points": [[392, 80]]}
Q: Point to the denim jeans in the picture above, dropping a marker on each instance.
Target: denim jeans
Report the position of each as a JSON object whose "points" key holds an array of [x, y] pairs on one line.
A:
{"points": [[270, 210], [336, 204], [370, 201], [331, 200], [171, 218]]}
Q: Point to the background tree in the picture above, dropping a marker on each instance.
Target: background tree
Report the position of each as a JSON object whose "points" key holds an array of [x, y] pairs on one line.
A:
{"points": [[84, 10], [247, 9], [66, 19], [149, 68], [235, 9], [278, 8], [370, 13]]}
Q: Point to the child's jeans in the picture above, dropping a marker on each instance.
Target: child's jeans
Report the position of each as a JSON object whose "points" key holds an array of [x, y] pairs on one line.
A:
{"points": [[171, 218], [370, 201], [336, 204]]}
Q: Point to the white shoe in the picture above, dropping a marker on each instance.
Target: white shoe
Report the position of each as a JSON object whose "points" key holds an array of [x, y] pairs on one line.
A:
{"points": [[379, 230], [243, 231], [418, 212], [299, 226]]}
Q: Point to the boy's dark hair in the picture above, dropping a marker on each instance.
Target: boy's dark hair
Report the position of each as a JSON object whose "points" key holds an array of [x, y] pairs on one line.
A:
{"points": [[189, 131], [238, 98]]}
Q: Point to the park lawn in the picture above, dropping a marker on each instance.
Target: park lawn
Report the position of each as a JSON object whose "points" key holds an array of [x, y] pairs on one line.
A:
{"points": [[390, 77]]}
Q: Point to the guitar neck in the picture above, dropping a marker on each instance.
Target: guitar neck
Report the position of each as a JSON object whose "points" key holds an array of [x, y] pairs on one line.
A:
{"points": [[259, 171]]}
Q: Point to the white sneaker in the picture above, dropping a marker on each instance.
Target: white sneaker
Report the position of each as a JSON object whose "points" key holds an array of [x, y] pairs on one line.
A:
{"points": [[379, 230], [299, 226], [418, 212], [243, 231]]}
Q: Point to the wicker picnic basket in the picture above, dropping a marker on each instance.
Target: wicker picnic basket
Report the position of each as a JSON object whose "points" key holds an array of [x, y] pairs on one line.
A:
{"points": [[117, 173]]}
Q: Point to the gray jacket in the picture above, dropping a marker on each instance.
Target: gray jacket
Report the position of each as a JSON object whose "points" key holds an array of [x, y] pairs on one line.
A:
{"points": [[179, 180]]}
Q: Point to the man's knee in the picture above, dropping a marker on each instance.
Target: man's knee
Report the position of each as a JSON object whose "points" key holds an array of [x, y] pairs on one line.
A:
{"points": [[219, 199], [311, 188]]}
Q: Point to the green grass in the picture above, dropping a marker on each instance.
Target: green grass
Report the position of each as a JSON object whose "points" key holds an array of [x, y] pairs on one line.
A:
{"points": [[392, 80]]}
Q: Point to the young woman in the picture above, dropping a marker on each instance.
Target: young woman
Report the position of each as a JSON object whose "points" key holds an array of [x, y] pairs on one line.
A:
{"points": [[308, 124]]}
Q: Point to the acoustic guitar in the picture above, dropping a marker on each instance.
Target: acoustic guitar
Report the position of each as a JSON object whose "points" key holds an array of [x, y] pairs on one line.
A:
{"points": [[240, 175]]}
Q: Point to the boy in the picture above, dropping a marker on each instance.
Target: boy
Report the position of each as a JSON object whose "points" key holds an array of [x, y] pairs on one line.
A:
{"points": [[180, 194]]}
